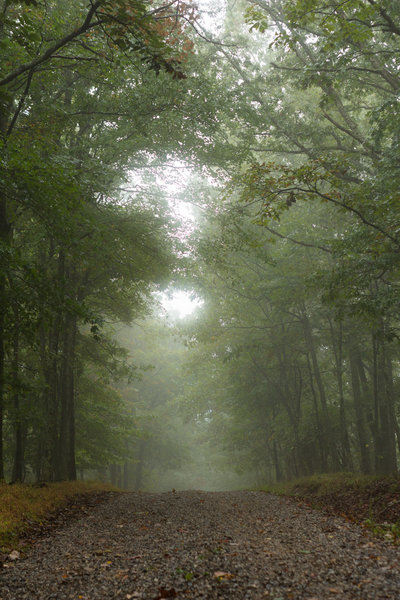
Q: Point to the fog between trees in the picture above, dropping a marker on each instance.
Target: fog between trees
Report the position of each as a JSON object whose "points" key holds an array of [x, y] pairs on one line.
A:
{"points": [[277, 123]]}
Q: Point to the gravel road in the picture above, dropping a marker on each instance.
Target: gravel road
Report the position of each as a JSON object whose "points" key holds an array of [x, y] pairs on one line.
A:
{"points": [[186, 545]]}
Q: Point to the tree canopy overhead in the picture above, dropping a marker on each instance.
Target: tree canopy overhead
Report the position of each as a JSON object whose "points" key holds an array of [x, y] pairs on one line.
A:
{"points": [[285, 116]]}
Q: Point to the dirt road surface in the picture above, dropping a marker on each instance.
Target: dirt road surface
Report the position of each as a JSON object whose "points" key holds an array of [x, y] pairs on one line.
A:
{"points": [[189, 545]]}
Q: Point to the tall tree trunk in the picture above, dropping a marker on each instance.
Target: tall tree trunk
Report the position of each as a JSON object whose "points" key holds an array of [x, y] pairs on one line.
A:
{"points": [[292, 404], [363, 440], [5, 238], [2, 373], [275, 450], [320, 434], [326, 429], [386, 463], [139, 465], [337, 344], [376, 412], [316, 370], [52, 404], [48, 463], [50, 343], [385, 423], [67, 402], [393, 423], [5, 241], [277, 462], [18, 465], [125, 479], [113, 474]]}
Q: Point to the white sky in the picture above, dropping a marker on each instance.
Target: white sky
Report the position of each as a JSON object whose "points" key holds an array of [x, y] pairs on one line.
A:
{"points": [[212, 15], [173, 180], [179, 304]]}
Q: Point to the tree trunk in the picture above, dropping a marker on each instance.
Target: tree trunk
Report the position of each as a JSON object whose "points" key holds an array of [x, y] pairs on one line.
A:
{"points": [[5, 237], [18, 465], [139, 465], [320, 435], [125, 480], [67, 402], [386, 463], [5, 240], [2, 382], [275, 450], [316, 370], [385, 423], [113, 474], [48, 463], [393, 424], [51, 344], [337, 344], [363, 440], [326, 429], [277, 462]]}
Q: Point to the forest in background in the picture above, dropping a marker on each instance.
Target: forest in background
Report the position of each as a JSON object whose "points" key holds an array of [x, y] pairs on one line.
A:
{"points": [[280, 122]]}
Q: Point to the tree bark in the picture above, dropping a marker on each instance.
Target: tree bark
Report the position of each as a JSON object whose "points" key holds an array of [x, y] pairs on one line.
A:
{"points": [[385, 423], [125, 478], [5, 237], [337, 344], [18, 465], [67, 402], [320, 435], [327, 436], [363, 440], [139, 465], [386, 459]]}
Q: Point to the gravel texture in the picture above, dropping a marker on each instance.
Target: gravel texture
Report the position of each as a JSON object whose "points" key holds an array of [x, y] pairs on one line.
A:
{"points": [[235, 545]]}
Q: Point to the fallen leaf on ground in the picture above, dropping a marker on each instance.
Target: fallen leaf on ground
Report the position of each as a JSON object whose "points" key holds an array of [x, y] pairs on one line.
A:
{"points": [[222, 575]]}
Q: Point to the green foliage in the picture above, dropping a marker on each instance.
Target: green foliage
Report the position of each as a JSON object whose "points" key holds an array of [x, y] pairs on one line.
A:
{"points": [[256, 19], [78, 252], [293, 366]]}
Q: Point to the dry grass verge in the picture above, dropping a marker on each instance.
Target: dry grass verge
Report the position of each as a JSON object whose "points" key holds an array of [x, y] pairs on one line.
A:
{"points": [[370, 501], [23, 506]]}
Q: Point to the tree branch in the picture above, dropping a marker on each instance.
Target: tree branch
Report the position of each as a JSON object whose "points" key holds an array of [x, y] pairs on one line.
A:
{"points": [[350, 209], [20, 103], [305, 244], [392, 25], [86, 25]]}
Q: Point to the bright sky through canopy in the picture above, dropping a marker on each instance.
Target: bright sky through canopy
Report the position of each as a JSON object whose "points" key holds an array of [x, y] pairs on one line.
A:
{"points": [[179, 304]]}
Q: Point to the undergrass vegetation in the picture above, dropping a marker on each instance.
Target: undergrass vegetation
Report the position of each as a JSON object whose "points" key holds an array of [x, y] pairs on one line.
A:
{"points": [[321, 484], [372, 501], [23, 506]]}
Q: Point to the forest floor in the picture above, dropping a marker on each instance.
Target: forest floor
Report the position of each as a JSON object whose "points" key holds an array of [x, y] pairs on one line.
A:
{"points": [[371, 501], [27, 508], [236, 545]]}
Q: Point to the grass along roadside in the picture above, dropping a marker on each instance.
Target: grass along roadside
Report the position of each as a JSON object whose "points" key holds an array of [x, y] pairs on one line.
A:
{"points": [[371, 501], [24, 506]]}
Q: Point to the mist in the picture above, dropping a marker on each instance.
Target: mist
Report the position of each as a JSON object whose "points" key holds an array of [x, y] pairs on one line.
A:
{"points": [[199, 240]]}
